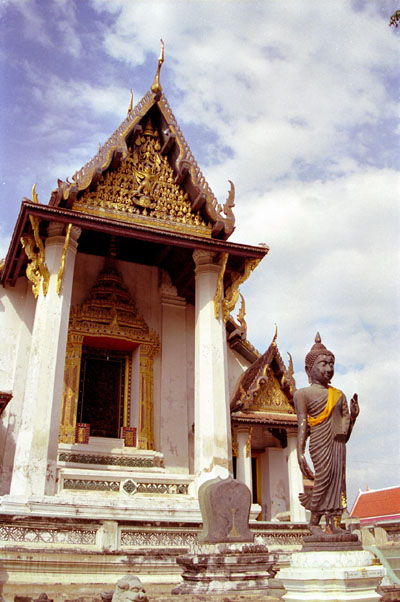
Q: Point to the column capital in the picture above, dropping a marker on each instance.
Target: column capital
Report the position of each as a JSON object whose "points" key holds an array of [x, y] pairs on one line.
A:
{"points": [[55, 229], [76, 231], [202, 257], [242, 428]]}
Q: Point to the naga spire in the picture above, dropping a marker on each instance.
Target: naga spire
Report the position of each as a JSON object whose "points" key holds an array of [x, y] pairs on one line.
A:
{"points": [[130, 108], [35, 198], [275, 336], [156, 86]]}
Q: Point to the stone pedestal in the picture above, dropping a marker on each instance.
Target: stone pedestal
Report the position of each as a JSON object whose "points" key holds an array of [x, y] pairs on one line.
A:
{"points": [[228, 567], [335, 576]]}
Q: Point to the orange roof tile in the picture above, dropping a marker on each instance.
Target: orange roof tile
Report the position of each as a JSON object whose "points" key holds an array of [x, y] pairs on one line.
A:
{"points": [[379, 503]]}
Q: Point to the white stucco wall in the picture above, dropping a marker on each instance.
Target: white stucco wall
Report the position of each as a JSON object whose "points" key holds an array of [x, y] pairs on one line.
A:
{"points": [[190, 342], [17, 310], [275, 486], [237, 364]]}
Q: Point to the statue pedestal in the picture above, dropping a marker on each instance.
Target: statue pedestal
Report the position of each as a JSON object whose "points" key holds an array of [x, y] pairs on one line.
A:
{"points": [[225, 567], [336, 576]]}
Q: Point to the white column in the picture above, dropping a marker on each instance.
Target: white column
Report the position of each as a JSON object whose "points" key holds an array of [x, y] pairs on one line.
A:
{"points": [[174, 430], [243, 467], [35, 462], [213, 445], [296, 485]]}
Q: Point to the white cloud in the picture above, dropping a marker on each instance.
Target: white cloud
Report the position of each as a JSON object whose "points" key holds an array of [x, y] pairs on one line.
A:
{"points": [[36, 16]]}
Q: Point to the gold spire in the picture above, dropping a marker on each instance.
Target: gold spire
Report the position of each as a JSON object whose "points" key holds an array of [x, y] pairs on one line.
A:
{"points": [[156, 86], [130, 108], [275, 336], [35, 198]]}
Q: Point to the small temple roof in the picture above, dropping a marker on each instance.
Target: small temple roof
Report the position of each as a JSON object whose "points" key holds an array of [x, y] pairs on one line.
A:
{"points": [[375, 505], [265, 391]]}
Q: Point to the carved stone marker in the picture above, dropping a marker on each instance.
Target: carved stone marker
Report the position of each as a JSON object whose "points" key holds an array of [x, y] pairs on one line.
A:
{"points": [[226, 559], [225, 508]]}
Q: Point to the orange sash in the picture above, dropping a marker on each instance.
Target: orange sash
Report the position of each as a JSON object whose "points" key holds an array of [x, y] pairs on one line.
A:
{"points": [[333, 397]]}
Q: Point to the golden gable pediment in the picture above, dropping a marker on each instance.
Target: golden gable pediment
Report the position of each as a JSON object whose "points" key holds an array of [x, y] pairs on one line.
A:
{"points": [[143, 191]]}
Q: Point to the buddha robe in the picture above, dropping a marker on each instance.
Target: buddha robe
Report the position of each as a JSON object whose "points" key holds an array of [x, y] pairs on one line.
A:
{"points": [[327, 450]]}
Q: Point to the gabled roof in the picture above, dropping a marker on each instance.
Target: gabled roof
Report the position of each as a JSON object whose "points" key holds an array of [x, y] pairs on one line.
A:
{"points": [[165, 173], [379, 504], [265, 390]]}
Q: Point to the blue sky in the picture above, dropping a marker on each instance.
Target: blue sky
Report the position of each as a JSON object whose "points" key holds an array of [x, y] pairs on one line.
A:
{"points": [[297, 103]]}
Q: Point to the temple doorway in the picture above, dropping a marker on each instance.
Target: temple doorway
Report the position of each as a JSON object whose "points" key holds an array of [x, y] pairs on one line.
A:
{"points": [[102, 391]]}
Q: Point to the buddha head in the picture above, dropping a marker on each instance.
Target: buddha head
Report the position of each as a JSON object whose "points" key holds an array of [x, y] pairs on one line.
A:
{"points": [[319, 363]]}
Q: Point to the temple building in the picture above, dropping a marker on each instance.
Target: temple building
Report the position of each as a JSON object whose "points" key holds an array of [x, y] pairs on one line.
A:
{"points": [[125, 379]]}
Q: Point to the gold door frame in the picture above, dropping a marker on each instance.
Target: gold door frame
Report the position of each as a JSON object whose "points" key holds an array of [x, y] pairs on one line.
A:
{"points": [[114, 318]]}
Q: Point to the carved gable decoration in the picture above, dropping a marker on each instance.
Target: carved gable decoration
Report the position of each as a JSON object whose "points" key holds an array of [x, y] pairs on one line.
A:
{"points": [[110, 311], [143, 190], [266, 386], [268, 395]]}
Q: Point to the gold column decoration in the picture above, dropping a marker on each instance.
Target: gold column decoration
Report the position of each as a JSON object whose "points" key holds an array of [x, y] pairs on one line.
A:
{"points": [[72, 372], [146, 400], [220, 285], [232, 294], [62, 262], [235, 446], [36, 270], [248, 443]]}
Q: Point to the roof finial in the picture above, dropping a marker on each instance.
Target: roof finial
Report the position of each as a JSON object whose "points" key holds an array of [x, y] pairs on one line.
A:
{"points": [[130, 108], [275, 335], [35, 198], [156, 86], [290, 370]]}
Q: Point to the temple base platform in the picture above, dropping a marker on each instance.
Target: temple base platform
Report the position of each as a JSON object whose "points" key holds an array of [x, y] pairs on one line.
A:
{"points": [[331, 575]]}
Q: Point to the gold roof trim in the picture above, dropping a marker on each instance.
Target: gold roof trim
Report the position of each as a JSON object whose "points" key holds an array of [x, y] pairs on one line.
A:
{"points": [[186, 160], [116, 142]]}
